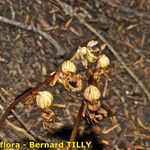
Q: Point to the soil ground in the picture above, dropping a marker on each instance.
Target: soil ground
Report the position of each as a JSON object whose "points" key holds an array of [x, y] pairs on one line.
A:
{"points": [[26, 58]]}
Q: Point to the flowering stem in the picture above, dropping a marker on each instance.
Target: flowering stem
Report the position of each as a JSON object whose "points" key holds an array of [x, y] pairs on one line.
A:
{"points": [[77, 121], [76, 124], [22, 98], [90, 81]]}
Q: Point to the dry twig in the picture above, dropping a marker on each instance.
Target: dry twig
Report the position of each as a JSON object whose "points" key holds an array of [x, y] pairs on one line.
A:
{"points": [[76, 125], [18, 128], [136, 13], [49, 38]]}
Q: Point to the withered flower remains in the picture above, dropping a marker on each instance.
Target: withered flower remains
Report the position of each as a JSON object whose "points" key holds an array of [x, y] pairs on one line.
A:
{"points": [[72, 82], [86, 53], [48, 117], [96, 65], [93, 111], [68, 77]]}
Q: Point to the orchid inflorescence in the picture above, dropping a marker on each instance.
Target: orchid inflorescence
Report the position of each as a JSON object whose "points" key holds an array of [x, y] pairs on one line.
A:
{"points": [[95, 65]]}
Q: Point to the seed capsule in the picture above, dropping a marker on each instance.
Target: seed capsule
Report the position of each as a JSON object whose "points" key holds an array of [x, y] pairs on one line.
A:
{"points": [[103, 61], [44, 99], [92, 93], [68, 66], [82, 50]]}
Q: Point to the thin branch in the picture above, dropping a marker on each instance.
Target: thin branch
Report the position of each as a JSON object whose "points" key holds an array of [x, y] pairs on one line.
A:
{"points": [[76, 124], [134, 12], [105, 88], [16, 127], [30, 132], [49, 38]]}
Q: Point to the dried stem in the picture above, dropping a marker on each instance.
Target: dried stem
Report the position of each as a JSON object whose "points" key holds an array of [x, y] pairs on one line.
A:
{"points": [[125, 9], [49, 38], [77, 121], [76, 124], [22, 98], [91, 79]]}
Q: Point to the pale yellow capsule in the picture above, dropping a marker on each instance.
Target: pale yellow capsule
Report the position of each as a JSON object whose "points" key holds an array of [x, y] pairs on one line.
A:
{"points": [[92, 93], [44, 99], [103, 61], [68, 66], [82, 50]]}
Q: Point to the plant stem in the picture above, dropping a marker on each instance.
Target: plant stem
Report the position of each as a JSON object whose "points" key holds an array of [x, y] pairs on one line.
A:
{"points": [[77, 121], [22, 98], [76, 125]]}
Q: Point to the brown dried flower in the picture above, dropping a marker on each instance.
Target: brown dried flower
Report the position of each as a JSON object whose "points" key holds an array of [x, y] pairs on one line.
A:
{"points": [[48, 117], [72, 82], [67, 76], [94, 112], [85, 53]]}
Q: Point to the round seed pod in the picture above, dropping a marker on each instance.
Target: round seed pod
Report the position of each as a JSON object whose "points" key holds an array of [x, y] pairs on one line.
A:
{"points": [[92, 93], [44, 99], [68, 66], [82, 50], [103, 61]]}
